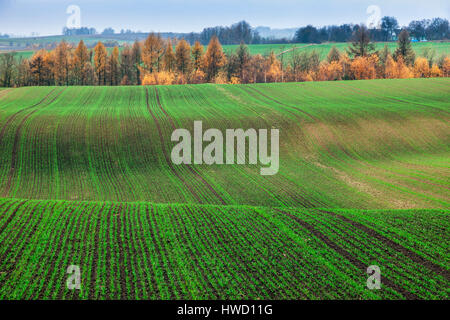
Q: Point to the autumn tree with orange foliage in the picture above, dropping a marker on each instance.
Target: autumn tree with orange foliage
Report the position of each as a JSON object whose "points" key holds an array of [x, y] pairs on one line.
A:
{"points": [[446, 67], [396, 69], [126, 66], [158, 78], [390, 68], [152, 53], [257, 68], [334, 55], [154, 61], [100, 63], [435, 71], [330, 71], [62, 63], [169, 57], [136, 57], [273, 69], [183, 57], [198, 75], [214, 59], [197, 56], [421, 68], [363, 68], [41, 65], [80, 62], [113, 67]]}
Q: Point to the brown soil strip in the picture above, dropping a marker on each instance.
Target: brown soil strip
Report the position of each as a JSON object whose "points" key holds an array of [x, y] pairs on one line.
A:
{"points": [[405, 251], [347, 255], [162, 252], [139, 237], [122, 267], [109, 245], [95, 259], [3, 204]]}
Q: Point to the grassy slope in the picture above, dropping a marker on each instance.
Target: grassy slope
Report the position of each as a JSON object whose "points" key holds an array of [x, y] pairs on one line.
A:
{"points": [[324, 48], [367, 144], [145, 251], [361, 144], [439, 48]]}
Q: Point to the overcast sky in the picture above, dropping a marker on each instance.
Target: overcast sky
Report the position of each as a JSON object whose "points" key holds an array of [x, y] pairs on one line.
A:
{"points": [[46, 17]]}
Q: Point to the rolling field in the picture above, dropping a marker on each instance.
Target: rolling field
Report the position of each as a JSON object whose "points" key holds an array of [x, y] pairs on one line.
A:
{"points": [[440, 48], [324, 48], [88, 40], [360, 144], [144, 251], [86, 179]]}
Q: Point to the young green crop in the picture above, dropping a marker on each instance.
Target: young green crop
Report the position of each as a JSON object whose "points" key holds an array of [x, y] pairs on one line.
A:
{"points": [[216, 252], [96, 161], [342, 144]]}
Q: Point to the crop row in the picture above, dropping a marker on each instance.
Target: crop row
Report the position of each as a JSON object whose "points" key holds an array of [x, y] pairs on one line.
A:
{"points": [[369, 144], [146, 251]]}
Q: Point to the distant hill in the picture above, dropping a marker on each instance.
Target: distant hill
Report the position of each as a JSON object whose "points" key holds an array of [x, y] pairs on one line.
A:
{"points": [[90, 40], [267, 32]]}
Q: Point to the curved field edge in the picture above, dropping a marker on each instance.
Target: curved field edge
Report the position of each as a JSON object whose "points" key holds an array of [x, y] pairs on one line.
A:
{"points": [[166, 251]]}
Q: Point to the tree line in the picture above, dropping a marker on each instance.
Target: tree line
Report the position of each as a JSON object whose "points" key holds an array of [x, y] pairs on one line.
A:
{"points": [[388, 30], [172, 61], [234, 34]]}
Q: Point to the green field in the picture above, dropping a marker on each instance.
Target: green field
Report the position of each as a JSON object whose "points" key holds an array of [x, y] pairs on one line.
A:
{"points": [[88, 39], [86, 179], [144, 251], [440, 48]]}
